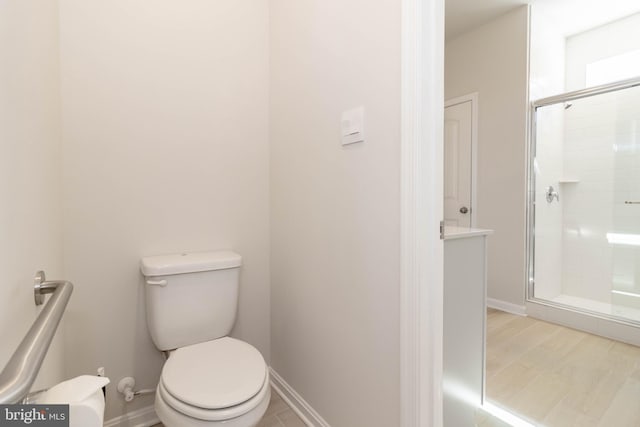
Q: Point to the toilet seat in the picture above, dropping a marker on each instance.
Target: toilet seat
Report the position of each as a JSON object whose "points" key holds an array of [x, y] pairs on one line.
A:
{"points": [[215, 380]]}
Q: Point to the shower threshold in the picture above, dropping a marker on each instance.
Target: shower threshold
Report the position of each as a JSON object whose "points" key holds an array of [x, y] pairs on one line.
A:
{"points": [[618, 323], [625, 313]]}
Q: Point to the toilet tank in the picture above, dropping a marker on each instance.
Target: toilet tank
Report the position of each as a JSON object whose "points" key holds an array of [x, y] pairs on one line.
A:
{"points": [[190, 297]]}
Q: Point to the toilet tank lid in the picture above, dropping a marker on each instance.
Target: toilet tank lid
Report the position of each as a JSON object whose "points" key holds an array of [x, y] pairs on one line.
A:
{"points": [[164, 265]]}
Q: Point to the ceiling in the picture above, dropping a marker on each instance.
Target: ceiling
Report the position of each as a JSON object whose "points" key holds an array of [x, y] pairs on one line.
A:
{"points": [[574, 15]]}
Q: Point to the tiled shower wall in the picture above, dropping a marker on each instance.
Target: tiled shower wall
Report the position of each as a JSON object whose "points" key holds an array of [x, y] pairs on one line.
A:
{"points": [[602, 152]]}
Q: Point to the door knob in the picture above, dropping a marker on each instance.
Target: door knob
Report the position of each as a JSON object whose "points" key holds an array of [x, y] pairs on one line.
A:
{"points": [[464, 210]]}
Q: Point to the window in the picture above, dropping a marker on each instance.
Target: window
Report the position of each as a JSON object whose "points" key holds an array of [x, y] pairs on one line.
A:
{"points": [[613, 69]]}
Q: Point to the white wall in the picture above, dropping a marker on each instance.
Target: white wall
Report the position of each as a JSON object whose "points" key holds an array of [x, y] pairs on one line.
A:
{"points": [[547, 52], [547, 78], [492, 60], [605, 41], [165, 130], [29, 163], [334, 209]]}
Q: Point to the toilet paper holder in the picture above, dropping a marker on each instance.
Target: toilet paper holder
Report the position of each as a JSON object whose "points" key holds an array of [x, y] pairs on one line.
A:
{"points": [[126, 388], [84, 396]]}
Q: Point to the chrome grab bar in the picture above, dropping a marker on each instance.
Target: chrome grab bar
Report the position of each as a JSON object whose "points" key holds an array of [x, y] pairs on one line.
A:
{"points": [[21, 371]]}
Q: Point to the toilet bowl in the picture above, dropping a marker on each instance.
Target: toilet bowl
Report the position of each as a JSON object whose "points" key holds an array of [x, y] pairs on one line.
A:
{"points": [[209, 378], [224, 381]]}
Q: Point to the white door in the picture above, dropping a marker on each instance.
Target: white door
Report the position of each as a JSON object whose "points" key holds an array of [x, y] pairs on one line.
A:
{"points": [[458, 164]]}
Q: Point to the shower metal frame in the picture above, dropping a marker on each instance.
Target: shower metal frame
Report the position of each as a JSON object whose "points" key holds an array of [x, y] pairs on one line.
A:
{"points": [[531, 186]]}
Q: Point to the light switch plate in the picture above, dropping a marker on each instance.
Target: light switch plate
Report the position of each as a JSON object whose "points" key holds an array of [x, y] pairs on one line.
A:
{"points": [[353, 126]]}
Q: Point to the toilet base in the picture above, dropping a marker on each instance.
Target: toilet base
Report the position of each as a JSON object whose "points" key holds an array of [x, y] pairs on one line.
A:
{"points": [[172, 418]]}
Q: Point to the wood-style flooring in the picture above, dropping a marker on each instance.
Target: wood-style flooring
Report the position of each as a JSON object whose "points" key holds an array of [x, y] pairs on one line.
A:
{"points": [[550, 375], [554, 376], [278, 414]]}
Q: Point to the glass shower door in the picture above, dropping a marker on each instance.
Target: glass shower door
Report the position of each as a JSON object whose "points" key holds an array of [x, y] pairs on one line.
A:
{"points": [[585, 201]]}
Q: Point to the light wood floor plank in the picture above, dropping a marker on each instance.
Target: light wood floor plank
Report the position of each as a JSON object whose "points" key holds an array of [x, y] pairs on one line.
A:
{"points": [[557, 376], [624, 411], [537, 399], [566, 416]]}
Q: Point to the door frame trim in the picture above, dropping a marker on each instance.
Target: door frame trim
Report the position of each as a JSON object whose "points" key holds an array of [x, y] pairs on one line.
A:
{"points": [[421, 201], [473, 98]]}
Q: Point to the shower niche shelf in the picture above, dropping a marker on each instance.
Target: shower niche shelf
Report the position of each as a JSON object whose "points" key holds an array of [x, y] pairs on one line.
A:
{"points": [[568, 181]]}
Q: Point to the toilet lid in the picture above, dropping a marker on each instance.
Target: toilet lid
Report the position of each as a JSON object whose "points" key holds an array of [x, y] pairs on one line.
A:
{"points": [[215, 374]]}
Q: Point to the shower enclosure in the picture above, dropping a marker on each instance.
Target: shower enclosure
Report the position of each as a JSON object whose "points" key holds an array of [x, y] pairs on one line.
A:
{"points": [[584, 201]]}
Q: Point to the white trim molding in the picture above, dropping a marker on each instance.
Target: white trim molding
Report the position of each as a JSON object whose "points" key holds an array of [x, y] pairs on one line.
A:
{"points": [[509, 307], [421, 283], [590, 322], [308, 415], [143, 417], [473, 98]]}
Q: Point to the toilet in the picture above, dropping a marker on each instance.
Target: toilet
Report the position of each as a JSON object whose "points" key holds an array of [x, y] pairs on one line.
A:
{"points": [[209, 378]]}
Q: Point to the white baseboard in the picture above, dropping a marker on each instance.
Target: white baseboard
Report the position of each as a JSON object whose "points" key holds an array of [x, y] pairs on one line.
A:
{"points": [[143, 417], [519, 310], [308, 415]]}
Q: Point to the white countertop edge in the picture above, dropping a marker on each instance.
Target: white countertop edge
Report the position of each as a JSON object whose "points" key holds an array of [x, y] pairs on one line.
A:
{"points": [[451, 232]]}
